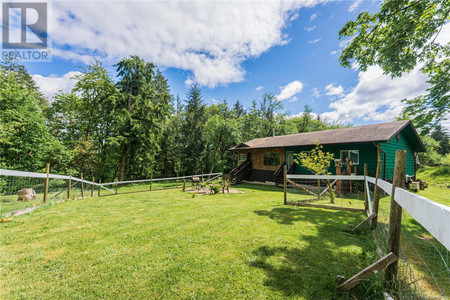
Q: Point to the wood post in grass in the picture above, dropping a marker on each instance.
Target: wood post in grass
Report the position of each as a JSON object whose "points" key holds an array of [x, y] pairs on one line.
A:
{"points": [[285, 184], [318, 189], [116, 187], [376, 197], [69, 186], [82, 186], [151, 179], [366, 200], [99, 187], [47, 171], [338, 183], [184, 184], [92, 187], [395, 216]]}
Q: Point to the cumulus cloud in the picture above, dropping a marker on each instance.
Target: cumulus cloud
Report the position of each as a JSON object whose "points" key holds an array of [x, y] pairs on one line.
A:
{"points": [[53, 84], [290, 90], [377, 97], [314, 41], [209, 39], [334, 90], [313, 16], [354, 5], [259, 88], [293, 99]]}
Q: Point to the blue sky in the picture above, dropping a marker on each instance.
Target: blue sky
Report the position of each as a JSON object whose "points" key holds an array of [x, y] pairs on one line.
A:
{"points": [[235, 50]]}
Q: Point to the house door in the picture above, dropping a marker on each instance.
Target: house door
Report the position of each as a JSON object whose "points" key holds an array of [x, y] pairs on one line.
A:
{"points": [[290, 158]]}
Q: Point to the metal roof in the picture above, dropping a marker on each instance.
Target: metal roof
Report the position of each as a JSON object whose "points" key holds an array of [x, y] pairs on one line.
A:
{"points": [[382, 132]]}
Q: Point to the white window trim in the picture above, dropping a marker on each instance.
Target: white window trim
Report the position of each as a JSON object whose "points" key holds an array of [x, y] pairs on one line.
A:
{"points": [[343, 162], [245, 157], [307, 151]]}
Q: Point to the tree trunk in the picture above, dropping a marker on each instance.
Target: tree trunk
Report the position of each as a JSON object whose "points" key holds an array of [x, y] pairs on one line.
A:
{"points": [[122, 163]]}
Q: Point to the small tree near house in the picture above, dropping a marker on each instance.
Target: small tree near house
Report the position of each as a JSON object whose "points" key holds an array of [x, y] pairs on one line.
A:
{"points": [[318, 162]]}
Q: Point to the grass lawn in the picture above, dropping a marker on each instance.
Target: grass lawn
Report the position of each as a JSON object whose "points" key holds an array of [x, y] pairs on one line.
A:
{"points": [[169, 244]]}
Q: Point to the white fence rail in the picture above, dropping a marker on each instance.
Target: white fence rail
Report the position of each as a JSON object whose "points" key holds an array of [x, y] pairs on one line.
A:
{"points": [[433, 216]]}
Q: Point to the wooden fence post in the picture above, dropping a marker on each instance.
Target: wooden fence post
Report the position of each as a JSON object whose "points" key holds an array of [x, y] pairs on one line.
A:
{"points": [[338, 183], [151, 179], [70, 184], [376, 197], [395, 216], [184, 184], [47, 171], [116, 187], [366, 200], [99, 187], [82, 186], [318, 190], [92, 187], [285, 184]]}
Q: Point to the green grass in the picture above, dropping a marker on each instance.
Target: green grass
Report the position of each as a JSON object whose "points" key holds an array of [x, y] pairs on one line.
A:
{"points": [[171, 245]]}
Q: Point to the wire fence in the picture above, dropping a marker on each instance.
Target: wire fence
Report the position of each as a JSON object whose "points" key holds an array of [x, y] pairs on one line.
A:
{"points": [[153, 184], [21, 192], [423, 258], [424, 261]]}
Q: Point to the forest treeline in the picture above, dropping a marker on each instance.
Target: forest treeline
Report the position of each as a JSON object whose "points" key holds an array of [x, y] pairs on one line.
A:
{"points": [[130, 126]]}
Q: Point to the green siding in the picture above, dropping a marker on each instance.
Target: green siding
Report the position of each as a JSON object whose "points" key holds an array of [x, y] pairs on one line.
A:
{"points": [[390, 148], [367, 155]]}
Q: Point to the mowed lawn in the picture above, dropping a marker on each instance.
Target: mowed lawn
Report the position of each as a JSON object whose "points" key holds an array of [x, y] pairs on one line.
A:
{"points": [[170, 245]]}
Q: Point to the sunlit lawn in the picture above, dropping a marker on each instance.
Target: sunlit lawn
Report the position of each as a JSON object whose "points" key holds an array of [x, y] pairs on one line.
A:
{"points": [[169, 245]]}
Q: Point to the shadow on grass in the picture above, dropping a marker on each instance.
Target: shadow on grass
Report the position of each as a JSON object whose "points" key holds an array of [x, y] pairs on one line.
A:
{"points": [[329, 250]]}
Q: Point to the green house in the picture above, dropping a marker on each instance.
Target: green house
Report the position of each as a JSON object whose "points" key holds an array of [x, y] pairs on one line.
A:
{"points": [[262, 159]]}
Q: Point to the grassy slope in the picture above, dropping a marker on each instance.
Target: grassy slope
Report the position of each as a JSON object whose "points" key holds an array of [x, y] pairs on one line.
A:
{"points": [[166, 244]]}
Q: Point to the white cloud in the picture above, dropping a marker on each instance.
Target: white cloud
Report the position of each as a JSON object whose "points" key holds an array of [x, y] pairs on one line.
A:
{"points": [[334, 90], [314, 41], [293, 99], [53, 84], [334, 52], [310, 28], [315, 93], [377, 97], [259, 88], [290, 90], [354, 5], [300, 114], [210, 39], [313, 16]]}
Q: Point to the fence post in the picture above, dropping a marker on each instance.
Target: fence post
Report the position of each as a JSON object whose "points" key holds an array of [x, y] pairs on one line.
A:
{"points": [[47, 171], [82, 186], [366, 200], [184, 184], [395, 215], [70, 184], [99, 187], [151, 179], [92, 187], [338, 183], [116, 186], [376, 197], [285, 184], [318, 189]]}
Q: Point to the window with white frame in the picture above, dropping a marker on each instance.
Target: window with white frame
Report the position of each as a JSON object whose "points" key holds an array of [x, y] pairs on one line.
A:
{"points": [[308, 153], [353, 154], [242, 156]]}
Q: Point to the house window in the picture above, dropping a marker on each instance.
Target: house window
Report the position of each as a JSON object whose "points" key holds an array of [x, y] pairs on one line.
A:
{"points": [[308, 153], [353, 154], [271, 159], [242, 156]]}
